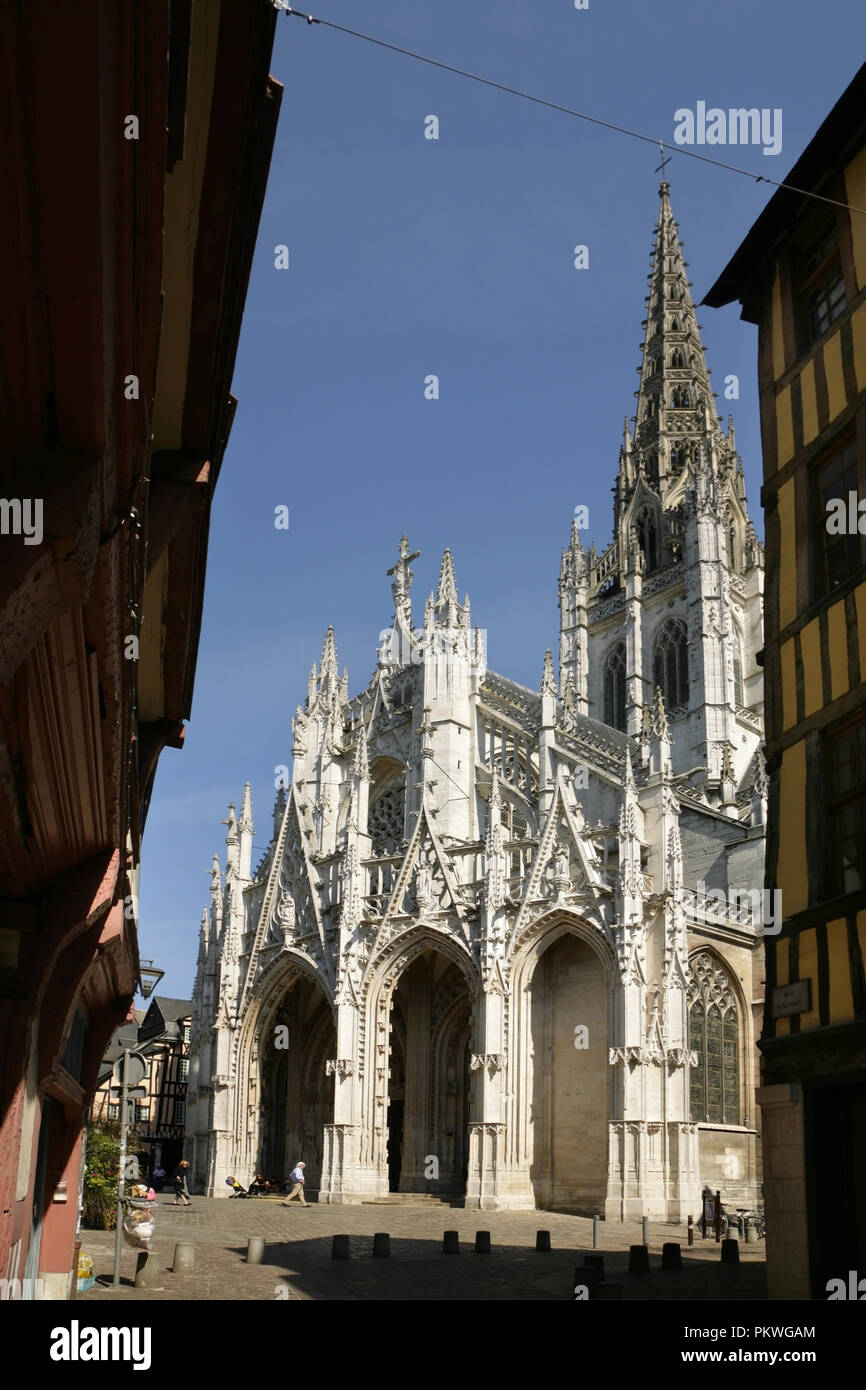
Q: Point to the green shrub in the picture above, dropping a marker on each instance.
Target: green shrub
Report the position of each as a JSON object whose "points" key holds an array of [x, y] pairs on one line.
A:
{"points": [[99, 1203]]}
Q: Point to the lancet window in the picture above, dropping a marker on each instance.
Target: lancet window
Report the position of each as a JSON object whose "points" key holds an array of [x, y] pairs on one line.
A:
{"points": [[714, 1034], [614, 688], [671, 664]]}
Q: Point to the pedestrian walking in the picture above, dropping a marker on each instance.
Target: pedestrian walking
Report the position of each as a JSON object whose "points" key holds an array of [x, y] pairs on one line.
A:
{"points": [[296, 1177], [181, 1189]]}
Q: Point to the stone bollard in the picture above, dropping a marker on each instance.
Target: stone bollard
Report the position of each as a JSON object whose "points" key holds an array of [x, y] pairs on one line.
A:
{"points": [[482, 1242], [340, 1248], [751, 1233], [542, 1241], [184, 1258], [638, 1260], [672, 1255], [451, 1243], [255, 1250], [148, 1271], [382, 1244], [730, 1251], [593, 1261], [590, 1275]]}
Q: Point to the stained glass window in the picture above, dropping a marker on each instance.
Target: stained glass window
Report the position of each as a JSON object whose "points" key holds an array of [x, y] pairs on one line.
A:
{"points": [[714, 1034]]}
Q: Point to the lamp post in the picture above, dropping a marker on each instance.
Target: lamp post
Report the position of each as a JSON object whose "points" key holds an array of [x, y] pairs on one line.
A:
{"points": [[150, 978]]}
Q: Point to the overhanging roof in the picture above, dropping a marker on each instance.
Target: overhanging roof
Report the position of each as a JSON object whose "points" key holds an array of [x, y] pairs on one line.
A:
{"points": [[827, 152]]}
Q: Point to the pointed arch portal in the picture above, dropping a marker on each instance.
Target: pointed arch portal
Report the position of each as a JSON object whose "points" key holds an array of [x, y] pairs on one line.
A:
{"points": [[428, 1084], [569, 1071], [296, 1096]]}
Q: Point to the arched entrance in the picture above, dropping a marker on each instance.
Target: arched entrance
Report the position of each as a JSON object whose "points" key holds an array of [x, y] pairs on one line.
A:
{"points": [[428, 1084], [297, 1098], [570, 1106]]}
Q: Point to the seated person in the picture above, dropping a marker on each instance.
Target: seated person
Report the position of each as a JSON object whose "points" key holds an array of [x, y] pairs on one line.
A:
{"points": [[259, 1185]]}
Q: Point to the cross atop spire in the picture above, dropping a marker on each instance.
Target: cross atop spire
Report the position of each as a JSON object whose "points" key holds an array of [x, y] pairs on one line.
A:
{"points": [[402, 583], [664, 186]]}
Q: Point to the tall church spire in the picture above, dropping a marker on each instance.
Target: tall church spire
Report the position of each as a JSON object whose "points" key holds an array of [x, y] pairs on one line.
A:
{"points": [[675, 413]]}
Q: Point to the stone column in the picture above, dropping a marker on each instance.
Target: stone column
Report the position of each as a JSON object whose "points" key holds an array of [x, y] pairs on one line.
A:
{"points": [[785, 1191]]}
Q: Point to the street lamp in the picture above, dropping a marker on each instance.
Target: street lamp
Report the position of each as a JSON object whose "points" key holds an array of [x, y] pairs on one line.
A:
{"points": [[150, 977], [128, 1081]]}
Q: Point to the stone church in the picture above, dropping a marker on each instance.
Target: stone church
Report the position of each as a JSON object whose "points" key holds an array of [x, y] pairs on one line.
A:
{"points": [[494, 949]]}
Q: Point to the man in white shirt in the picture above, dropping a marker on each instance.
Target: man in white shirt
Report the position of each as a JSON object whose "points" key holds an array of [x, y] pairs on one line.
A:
{"points": [[297, 1178]]}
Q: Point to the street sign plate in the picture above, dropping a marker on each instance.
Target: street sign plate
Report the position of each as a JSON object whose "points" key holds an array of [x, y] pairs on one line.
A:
{"points": [[136, 1069]]}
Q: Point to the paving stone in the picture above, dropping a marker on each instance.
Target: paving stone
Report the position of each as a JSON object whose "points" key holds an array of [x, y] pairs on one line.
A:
{"points": [[298, 1257]]}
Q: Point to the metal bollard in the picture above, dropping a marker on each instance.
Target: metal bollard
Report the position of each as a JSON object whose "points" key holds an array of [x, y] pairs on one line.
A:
{"points": [[691, 1230], [593, 1261], [542, 1241], [184, 1258], [644, 1231], [255, 1250], [382, 1244], [595, 1232], [340, 1248]]}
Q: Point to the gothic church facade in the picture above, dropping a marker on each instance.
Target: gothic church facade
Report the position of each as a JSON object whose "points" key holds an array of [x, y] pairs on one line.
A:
{"points": [[478, 957]]}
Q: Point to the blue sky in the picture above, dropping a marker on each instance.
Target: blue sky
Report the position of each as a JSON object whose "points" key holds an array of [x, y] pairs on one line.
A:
{"points": [[409, 257]]}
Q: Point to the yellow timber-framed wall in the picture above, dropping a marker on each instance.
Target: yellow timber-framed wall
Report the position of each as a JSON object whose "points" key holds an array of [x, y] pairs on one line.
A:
{"points": [[812, 385]]}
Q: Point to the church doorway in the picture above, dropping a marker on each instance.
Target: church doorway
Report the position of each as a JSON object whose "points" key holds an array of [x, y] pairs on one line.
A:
{"points": [[569, 1078], [297, 1098], [428, 1089]]}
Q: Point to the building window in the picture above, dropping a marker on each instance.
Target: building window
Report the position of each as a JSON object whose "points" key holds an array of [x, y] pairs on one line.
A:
{"points": [[142, 1112], [614, 688], [113, 1111], [845, 754], [647, 539], [714, 1034], [179, 1116], [820, 285], [386, 819], [187, 1032], [739, 691], [671, 664], [837, 556], [680, 398], [677, 358], [183, 1069]]}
